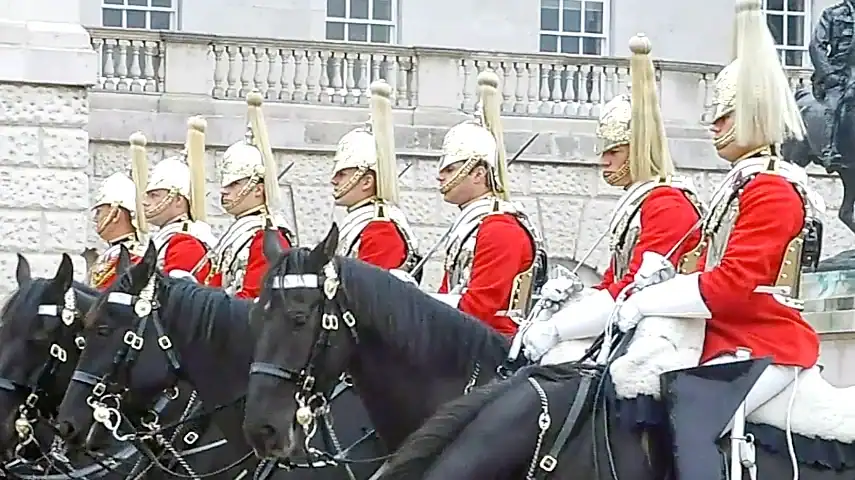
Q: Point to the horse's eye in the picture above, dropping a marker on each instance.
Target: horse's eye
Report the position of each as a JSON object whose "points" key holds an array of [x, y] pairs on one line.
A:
{"points": [[41, 336], [104, 330]]}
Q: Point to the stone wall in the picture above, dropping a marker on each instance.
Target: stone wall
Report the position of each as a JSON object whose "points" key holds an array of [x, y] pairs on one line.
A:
{"points": [[567, 200], [44, 162]]}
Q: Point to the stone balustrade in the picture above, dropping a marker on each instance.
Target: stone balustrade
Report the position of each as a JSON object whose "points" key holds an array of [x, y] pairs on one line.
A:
{"points": [[338, 74]]}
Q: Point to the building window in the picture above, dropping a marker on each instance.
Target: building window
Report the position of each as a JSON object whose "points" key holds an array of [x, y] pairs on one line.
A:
{"points": [[147, 14], [575, 27], [788, 21], [370, 21]]}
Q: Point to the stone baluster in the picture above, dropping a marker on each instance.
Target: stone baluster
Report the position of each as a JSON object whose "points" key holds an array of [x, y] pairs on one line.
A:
{"points": [[289, 70], [337, 81], [313, 76], [151, 49], [301, 71], [274, 71], [234, 72], [349, 61], [122, 66]]}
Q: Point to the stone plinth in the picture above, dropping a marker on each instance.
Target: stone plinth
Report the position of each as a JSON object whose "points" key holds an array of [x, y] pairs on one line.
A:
{"points": [[46, 66]]}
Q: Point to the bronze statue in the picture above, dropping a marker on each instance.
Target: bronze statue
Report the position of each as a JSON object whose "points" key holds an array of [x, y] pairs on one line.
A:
{"points": [[832, 51], [829, 112]]}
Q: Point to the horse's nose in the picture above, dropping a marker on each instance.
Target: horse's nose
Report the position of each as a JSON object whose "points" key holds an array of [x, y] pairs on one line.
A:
{"points": [[262, 439]]}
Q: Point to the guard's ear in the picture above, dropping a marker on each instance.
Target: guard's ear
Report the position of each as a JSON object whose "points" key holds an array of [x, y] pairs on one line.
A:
{"points": [[272, 246], [64, 274], [22, 271], [325, 251]]}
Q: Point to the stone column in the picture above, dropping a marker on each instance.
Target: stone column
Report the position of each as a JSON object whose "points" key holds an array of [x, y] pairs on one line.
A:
{"points": [[46, 66]]}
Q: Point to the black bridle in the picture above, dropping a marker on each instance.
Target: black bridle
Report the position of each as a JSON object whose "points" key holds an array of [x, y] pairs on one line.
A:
{"points": [[36, 385], [332, 308], [312, 401], [146, 311]]}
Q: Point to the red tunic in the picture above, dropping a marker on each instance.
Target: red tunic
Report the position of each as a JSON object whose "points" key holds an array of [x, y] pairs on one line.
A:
{"points": [[771, 214], [183, 252], [503, 249], [666, 216], [256, 267], [382, 245]]}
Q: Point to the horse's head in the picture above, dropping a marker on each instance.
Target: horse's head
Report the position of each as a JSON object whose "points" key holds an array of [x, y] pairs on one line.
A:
{"points": [[303, 341], [41, 344], [115, 368]]}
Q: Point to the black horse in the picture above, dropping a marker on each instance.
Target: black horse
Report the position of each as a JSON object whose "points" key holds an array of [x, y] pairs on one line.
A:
{"points": [[607, 437], [192, 333], [40, 334], [322, 315], [817, 120]]}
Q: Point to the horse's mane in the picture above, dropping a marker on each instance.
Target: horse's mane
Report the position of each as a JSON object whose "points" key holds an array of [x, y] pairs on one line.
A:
{"points": [[430, 331], [207, 304], [423, 446], [197, 307]]}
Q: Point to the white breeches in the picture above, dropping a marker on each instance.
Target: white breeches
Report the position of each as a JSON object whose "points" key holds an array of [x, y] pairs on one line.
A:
{"points": [[772, 381]]}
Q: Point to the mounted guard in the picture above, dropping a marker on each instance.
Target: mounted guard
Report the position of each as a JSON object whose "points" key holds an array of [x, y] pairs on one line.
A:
{"points": [[250, 193], [365, 180], [655, 212], [175, 203], [755, 236], [493, 250], [118, 218]]}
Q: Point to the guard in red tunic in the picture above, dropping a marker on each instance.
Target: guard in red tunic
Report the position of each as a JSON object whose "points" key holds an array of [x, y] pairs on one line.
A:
{"points": [[490, 252], [175, 203], [656, 212], [250, 192], [755, 231], [117, 221], [365, 180]]}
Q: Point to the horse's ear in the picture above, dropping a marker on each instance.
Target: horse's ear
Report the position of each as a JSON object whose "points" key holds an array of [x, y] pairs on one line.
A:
{"points": [[64, 274], [22, 271], [271, 245], [150, 257], [124, 260], [325, 251]]}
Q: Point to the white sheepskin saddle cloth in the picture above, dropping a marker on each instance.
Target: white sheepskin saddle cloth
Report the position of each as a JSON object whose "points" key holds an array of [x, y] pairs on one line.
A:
{"points": [[820, 410]]}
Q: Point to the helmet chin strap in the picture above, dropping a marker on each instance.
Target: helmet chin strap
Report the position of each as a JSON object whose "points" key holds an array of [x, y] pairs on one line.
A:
{"points": [[348, 185], [459, 175], [617, 177]]}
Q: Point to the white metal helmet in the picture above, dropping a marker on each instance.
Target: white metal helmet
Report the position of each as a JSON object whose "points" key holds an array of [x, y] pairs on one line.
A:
{"points": [[754, 87], [241, 160], [185, 179], [465, 141], [253, 157], [371, 148], [170, 174], [356, 149], [483, 141], [117, 190]]}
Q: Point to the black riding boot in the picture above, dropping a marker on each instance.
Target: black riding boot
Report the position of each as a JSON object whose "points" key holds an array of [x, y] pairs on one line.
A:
{"points": [[700, 402], [832, 160]]}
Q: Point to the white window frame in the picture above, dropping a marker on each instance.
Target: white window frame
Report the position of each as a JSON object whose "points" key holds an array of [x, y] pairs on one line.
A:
{"points": [[173, 13], [347, 20], [806, 29], [602, 37]]}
